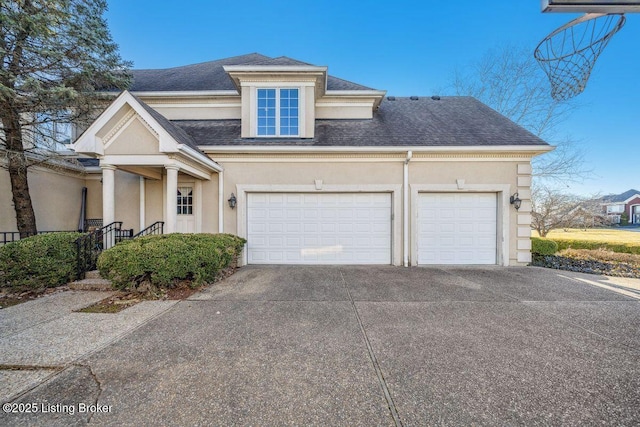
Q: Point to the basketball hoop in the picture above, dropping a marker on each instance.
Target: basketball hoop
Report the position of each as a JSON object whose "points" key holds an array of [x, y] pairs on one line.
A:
{"points": [[569, 53]]}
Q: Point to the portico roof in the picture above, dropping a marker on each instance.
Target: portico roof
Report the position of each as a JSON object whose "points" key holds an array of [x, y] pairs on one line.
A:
{"points": [[130, 133]]}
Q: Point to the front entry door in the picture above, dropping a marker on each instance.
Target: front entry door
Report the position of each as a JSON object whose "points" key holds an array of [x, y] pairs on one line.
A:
{"points": [[186, 216]]}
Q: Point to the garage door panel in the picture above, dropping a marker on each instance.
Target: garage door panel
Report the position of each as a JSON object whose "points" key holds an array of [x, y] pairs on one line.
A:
{"points": [[319, 228], [457, 228]]}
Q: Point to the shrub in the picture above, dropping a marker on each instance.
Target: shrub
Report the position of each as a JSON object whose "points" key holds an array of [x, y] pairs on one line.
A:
{"points": [[586, 244], [602, 255], [45, 260], [542, 246], [164, 260]]}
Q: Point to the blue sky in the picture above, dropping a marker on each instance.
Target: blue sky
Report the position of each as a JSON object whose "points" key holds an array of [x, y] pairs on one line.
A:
{"points": [[403, 47]]}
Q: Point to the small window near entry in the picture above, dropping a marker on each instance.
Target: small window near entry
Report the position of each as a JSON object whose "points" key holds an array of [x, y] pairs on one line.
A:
{"points": [[278, 112], [185, 201]]}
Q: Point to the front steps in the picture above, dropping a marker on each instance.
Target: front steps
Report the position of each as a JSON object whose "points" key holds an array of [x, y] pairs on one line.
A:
{"points": [[91, 282]]}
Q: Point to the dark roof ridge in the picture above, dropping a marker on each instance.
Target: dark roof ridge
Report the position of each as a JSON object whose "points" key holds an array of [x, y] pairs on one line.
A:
{"points": [[204, 62], [292, 59], [175, 131]]}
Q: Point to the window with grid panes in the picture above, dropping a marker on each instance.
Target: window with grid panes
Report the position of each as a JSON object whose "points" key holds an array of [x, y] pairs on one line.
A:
{"points": [[278, 112], [185, 201]]}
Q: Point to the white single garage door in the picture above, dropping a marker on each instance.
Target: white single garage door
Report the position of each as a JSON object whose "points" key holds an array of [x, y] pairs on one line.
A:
{"points": [[319, 228], [457, 228]]}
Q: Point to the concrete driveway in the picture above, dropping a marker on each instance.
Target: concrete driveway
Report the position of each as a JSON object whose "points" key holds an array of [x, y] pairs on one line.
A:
{"points": [[367, 346]]}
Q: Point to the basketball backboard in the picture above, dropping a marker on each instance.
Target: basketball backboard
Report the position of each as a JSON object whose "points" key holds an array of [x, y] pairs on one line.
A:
{"points": [[591, 6]]}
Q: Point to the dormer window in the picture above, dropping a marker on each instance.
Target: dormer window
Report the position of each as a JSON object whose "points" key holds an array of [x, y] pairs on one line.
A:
{"points": [[278, 112]]}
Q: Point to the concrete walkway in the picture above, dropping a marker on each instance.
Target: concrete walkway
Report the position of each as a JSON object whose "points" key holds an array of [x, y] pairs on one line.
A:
{"points": [[363, 346], [41, 337]]}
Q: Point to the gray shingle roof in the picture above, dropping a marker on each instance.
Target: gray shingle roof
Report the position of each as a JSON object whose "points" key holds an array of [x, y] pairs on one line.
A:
{"points": [[617, 198], [450, 121], [211, 75], [176, 132]]}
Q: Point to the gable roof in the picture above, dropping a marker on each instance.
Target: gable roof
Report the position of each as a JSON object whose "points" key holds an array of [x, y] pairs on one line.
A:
{"points": [[620, 198], [177, 133], [171, 138], [446, 122], [211, 75]]}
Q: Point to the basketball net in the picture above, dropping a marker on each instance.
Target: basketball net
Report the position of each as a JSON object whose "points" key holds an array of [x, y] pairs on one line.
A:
{"points": [[569, 53]]}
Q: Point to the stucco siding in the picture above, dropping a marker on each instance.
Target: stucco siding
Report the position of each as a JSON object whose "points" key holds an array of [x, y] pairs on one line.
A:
{"points": [[154, 201], [497, 175], [56, 199], [135, 139], [128, 200]]}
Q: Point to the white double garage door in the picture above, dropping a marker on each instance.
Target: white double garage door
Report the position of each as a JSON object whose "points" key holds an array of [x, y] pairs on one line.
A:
{"points": [[356, 228]]}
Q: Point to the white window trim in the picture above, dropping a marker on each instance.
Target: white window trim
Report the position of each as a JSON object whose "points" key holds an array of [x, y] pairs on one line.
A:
{"points": [[253, 106]]}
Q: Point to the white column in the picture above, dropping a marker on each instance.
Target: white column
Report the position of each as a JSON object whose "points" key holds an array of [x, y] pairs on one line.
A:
{"points": [[108, 199], [172, 198], [108, 194], [142, 204]]}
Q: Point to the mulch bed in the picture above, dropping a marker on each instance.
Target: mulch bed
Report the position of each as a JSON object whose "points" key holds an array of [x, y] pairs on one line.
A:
{"points": [[558, 262], [122, 299], [10, 297], [116, 302]]}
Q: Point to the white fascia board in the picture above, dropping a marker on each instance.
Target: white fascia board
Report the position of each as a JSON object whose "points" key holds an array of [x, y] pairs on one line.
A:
{"points": [[87, 141], [631, 198], [376, 95], [367, 93], [186, 93], [135, 160], [275, 68], [199, 157], [241, 149]]}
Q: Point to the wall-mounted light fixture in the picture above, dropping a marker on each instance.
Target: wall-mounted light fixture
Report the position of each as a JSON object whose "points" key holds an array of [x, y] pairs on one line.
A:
{"points": [[515, 201], [232, 201]]}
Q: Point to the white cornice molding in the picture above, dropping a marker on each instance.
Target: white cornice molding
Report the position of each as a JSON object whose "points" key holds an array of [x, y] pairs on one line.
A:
{"points": [[199, 158], [366, 92], [186, 93], [282, 73], [275, 69], [242, 149]]}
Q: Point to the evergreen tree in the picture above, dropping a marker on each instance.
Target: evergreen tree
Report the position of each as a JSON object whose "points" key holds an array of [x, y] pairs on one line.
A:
{"points": [[56, 56]]}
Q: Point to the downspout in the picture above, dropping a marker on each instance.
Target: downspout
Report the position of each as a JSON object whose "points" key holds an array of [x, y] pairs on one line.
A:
{"points": [[405, 209], [220, 202]]}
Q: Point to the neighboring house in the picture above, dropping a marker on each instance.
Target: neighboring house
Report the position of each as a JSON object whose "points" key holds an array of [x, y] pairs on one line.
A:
{"points": [[617, 205], [322, 170]]}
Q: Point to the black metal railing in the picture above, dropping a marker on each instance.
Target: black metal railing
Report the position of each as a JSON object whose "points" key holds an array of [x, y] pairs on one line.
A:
{"points": [[14, 236], [155, 228], [92, 244]]}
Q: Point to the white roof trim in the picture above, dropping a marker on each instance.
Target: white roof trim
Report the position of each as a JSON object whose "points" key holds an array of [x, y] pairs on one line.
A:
{"points": [[199, 157], [89, 143], [275, 68], [189, 93], [622, 202], [371, 149], [364, 92]]}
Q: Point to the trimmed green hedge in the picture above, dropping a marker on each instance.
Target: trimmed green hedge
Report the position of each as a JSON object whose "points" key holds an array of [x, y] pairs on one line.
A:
{"points": [[42, 261], [543, 246], [164, 260], [585, 244]]}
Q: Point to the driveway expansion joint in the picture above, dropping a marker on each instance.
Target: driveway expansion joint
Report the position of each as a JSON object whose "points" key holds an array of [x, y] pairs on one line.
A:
{"points": [[383, 384]]}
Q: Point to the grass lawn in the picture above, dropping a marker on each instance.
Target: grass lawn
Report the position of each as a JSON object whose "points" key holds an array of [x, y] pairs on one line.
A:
{"points": [[608, 235]]}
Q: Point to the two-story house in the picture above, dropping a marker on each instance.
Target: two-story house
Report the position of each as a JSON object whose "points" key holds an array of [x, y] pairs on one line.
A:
{"points": [[310, 168], [626, 204]]}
